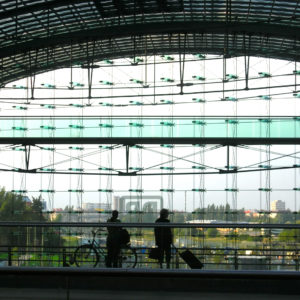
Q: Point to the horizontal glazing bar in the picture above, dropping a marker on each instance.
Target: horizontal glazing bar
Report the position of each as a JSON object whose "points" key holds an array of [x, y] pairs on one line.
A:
{"points": [[233, 141], [148, 225], [190, 127]]}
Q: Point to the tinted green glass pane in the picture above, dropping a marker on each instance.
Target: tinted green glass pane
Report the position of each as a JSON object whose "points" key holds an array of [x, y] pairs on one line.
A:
{"points": [[151, 127]]}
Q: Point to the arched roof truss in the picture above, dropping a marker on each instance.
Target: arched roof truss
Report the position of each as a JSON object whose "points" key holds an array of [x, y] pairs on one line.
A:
{"points": [[38, 35]]}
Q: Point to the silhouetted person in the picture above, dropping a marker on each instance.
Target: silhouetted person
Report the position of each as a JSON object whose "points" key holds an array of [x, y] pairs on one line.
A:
{"points": [[113, 241], [163, 238]]}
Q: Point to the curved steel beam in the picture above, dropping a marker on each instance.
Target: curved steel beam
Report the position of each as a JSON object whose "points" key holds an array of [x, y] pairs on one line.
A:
{"points": [[234, 141], [31, 8], [170, 28]]}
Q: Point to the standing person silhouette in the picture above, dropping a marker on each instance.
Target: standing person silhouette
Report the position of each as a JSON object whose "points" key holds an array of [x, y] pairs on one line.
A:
{"points": [[163, 238], [113, 243]]}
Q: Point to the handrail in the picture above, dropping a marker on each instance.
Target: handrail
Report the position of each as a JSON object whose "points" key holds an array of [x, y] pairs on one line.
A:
{"points": [[149, 225]]}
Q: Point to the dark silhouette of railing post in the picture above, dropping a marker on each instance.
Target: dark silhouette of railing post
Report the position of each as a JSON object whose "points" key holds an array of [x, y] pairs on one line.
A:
{"points": [[9, 256], [296, 260], [297, 264], [64, 257], [177, 260], [236, 263]]}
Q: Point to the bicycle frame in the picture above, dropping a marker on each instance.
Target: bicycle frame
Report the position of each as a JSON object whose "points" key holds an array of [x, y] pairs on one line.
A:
{"points": [[127, 254], [94, 244]]}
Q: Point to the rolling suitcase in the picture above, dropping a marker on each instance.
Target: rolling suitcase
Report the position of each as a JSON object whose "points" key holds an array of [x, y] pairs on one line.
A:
{"points": [[192, 261]]}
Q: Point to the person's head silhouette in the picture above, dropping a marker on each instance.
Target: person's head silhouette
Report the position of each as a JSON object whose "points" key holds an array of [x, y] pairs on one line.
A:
{"points": [[164, 213], [115, 214]]}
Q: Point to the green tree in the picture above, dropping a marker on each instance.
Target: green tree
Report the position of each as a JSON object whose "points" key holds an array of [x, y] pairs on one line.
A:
{"points": [[15, 207], [290, 235], [212, 232]]}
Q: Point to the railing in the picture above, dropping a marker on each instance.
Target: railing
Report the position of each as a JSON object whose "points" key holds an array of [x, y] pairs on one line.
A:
{"points": [[222, 246]]}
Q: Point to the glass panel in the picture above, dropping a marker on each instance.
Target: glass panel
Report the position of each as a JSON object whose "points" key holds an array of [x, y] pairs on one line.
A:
{"points": [[151, 127]]}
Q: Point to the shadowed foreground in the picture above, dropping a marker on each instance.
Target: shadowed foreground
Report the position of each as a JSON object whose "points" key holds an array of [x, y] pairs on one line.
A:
{"points": [[75, 283]]}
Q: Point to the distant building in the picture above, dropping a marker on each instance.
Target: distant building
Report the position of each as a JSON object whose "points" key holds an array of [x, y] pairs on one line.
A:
{"points": [[117, 204], [277, 205], [27, 200], [44, 205], [248, 213], [150, 203], [273, 215], [255, 214], [92, 207]]}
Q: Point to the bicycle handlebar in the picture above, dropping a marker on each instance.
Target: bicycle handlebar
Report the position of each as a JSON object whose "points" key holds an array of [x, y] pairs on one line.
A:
{"points": [[94, 232]]}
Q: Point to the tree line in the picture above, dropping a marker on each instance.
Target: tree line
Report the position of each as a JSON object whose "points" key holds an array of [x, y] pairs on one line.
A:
{"points": [[15, 207]]}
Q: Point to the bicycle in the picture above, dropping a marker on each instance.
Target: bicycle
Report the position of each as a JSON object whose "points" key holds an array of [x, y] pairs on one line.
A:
{"points": [[92, 254]]}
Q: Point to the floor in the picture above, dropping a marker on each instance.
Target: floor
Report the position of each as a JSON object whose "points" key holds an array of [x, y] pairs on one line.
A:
{"points": [[44, 294]]}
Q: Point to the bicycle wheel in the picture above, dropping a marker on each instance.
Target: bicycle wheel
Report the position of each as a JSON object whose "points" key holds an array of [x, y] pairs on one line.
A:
{"points": [[102, 254], [128, 258], [86, 256]]}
